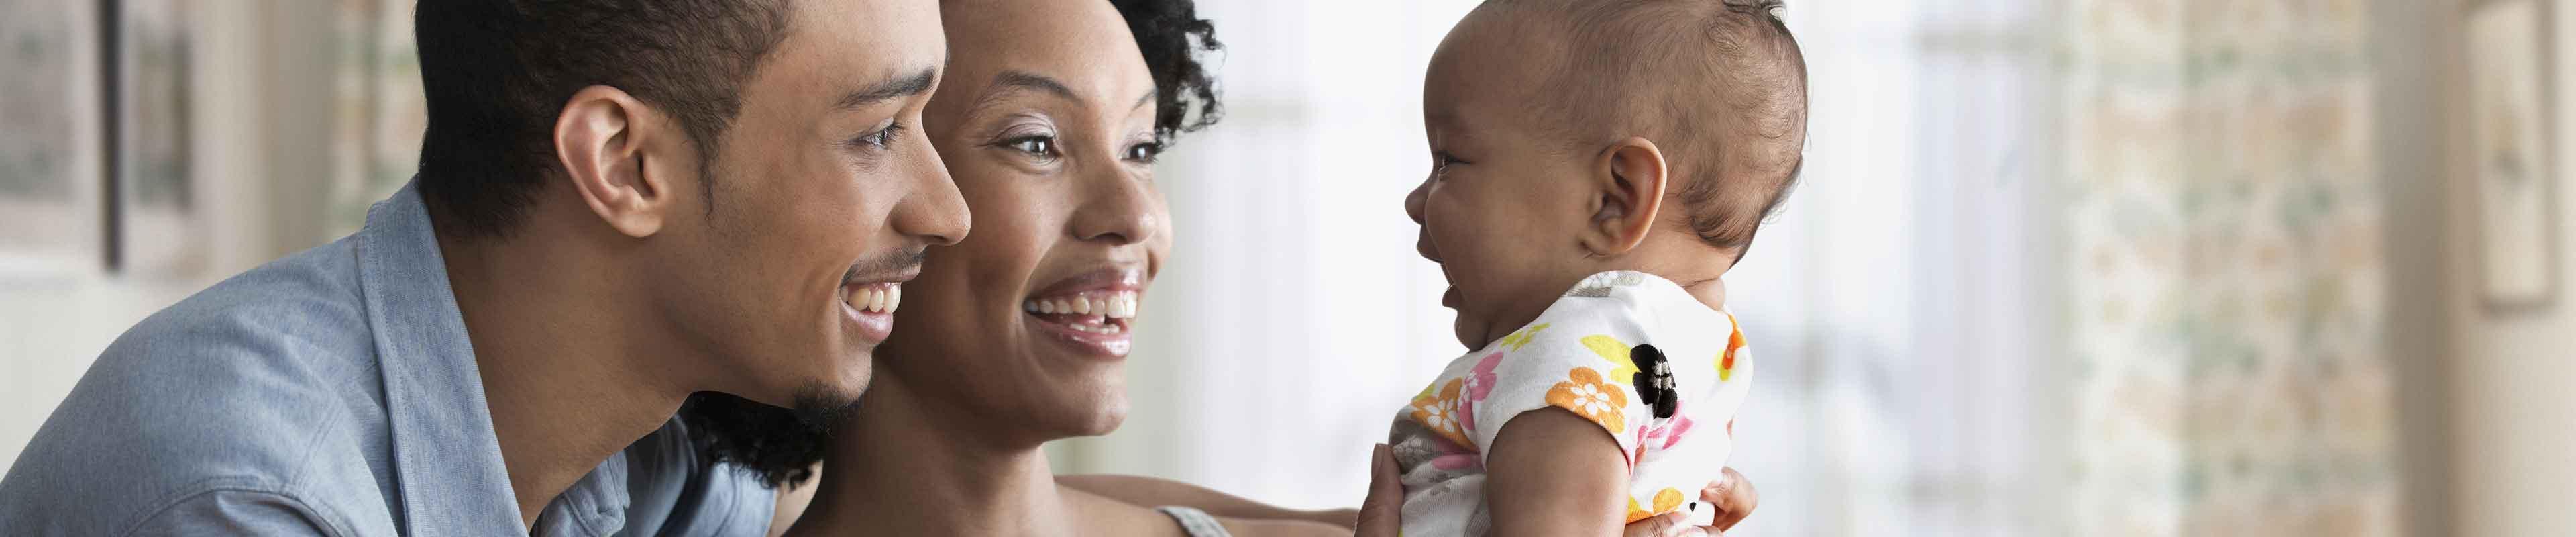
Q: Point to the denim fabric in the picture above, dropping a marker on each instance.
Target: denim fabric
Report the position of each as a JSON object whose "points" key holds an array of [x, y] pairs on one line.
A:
{"points": [[332, 392]]}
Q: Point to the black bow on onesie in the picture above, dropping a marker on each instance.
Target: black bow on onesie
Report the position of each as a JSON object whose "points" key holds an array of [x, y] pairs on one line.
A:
{"points": [[1654, 380]]}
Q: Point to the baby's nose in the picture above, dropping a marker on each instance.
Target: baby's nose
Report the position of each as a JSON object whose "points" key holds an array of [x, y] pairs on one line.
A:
{"points": [[1413, 201]]}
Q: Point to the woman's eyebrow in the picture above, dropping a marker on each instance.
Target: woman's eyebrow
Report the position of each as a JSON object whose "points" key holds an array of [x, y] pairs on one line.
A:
{"points": [[1014, 81], [1147, 99]]}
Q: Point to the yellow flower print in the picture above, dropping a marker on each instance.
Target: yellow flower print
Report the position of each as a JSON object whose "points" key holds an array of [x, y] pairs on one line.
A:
{"points": [[1585, 394], [1610, 348], [1666, 501], [1440, 412], [1522, 338]]}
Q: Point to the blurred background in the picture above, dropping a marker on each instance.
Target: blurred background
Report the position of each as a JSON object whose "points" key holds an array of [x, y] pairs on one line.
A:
{"points": [[2093, 267]]}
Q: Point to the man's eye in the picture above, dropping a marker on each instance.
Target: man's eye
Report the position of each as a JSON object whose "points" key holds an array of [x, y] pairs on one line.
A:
{"points": [[881, 139]]}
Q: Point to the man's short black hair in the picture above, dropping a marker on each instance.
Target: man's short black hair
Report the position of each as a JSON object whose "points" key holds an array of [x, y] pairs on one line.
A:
{"points": [[498, 72]]}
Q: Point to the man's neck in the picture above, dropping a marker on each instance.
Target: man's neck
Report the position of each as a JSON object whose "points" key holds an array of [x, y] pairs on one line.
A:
{"points": [[567, 383], [895, 469]]}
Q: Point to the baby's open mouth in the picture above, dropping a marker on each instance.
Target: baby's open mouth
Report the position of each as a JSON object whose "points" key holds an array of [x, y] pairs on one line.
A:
{"points": [[1096, 312]]}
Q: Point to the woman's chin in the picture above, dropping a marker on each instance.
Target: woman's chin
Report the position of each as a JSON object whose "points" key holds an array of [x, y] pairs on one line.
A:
{"points": [[1090, 418]]}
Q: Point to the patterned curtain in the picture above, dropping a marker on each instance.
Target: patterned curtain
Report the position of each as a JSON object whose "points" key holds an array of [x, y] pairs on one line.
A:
{"points": [[2225, 301]]}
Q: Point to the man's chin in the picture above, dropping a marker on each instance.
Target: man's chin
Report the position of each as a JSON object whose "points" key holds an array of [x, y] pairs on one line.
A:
{"points": [[822, 406]]}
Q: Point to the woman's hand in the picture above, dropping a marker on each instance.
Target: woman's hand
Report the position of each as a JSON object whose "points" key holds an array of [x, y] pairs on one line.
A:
{"points": [[1732, 495], [1385, 497]]}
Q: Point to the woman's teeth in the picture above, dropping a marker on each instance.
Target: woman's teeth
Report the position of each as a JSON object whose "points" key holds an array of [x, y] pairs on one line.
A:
{"points": [[875, 298], [1113, 305]]}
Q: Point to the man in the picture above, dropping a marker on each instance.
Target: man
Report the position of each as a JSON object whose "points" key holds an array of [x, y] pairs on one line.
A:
{"points": [[619, 204]]}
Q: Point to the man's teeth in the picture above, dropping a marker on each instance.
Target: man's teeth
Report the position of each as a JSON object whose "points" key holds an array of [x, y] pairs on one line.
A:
{"points": [[875, 298], [1114, 305]]}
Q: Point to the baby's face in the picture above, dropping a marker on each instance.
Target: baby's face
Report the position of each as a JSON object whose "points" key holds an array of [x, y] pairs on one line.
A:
{"points": [[1505, 201]]}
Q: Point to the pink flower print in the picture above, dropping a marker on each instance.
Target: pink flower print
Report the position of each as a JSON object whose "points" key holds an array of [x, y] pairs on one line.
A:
{"points": [[1480, 383], [1661, 436], [1455, 461]]}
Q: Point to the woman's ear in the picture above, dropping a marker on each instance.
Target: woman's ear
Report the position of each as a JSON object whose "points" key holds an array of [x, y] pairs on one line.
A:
{"points": [[601, 136], [1628, 193]]}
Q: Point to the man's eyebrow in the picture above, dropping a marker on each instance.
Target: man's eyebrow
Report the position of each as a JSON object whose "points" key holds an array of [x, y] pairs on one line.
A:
{"points": [[890, 89], [1148, 98]]}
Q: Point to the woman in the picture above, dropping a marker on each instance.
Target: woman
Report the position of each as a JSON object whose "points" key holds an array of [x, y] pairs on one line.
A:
{"points": [[1049, 119]]}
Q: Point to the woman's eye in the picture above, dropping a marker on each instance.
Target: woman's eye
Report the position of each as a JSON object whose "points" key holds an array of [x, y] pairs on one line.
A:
{"points": [[1035, 145], [1144, 152]]}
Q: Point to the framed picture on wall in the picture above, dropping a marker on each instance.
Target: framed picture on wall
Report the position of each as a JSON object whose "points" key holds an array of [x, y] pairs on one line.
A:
{"points": [[2512, 157], [162, 229], [51, 143]]}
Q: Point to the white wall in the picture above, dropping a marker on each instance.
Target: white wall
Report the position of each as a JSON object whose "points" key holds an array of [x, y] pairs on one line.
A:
{"points": [[2513, 375]]}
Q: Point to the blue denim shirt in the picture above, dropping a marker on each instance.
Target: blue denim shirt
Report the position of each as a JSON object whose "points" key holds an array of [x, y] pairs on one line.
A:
{"points": [[332, 392]]}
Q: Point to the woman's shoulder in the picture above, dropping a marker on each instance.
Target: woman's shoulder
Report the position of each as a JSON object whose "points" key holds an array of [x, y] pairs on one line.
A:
{"points": [[1102, 515], [1246, 527]]}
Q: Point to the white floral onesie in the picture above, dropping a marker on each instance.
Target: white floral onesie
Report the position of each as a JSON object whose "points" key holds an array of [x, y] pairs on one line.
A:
{"points": [[1578, 356]]}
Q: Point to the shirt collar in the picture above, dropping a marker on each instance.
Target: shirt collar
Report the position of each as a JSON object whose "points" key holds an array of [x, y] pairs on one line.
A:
{"points": [[446, 457]]}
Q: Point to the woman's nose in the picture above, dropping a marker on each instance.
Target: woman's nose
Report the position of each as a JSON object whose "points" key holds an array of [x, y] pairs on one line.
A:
{"points": [[1121, 211]]}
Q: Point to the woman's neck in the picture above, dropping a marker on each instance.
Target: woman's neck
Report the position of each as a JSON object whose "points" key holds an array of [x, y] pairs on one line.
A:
{"points": [[900, 466]]}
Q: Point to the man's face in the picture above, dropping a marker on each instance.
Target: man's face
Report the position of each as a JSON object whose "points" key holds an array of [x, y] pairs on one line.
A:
{"points": [[822, 197]]}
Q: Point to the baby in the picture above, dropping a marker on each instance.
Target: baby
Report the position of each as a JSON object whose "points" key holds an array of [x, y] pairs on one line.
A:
{"points": [[1598, 165]]}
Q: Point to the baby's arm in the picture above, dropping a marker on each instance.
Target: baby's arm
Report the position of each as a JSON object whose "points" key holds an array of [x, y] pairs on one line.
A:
{"points": [[1552, 472]]}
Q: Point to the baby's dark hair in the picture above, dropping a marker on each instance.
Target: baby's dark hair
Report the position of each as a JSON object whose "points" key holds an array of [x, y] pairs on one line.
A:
{"points": [[1719, 85], [780, 445]]}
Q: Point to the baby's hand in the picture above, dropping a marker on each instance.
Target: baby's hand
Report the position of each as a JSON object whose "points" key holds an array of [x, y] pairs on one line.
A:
{"points": [[1726, 502]]}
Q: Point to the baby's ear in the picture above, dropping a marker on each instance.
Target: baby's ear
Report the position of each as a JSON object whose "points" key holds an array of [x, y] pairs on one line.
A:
{"points": [[1627, 182]]}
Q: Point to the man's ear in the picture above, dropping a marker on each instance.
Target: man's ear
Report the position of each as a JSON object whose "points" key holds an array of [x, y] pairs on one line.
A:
{"points": [[1628, 194], [601, 136]]}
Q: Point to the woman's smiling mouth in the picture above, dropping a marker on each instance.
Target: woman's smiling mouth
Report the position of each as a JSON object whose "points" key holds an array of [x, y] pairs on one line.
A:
{"points": [[1092, 313]]}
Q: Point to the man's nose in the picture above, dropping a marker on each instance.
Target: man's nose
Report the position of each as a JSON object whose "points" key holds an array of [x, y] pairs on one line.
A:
{"points": [[936, 212]]}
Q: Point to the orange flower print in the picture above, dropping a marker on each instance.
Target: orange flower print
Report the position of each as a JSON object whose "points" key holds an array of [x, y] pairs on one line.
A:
{"points": [[1584, 393], [1610, 348], [1440, 412], [1666, 501], [1734, 343]]}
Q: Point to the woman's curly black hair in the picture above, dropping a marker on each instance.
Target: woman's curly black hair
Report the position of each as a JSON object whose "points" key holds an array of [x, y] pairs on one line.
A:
{"points": [[1174, 38], [782, 445]]}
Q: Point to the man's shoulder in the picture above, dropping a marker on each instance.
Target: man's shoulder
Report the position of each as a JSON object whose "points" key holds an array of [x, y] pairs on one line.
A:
{"points": [[312, 295], [261, 353], [262, 386]]}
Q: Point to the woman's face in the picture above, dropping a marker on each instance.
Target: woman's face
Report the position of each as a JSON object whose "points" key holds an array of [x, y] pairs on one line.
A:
{"points": [[1046, 121]]}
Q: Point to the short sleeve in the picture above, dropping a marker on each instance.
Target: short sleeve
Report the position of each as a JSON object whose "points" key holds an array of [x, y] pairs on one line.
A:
{"points": [[1581, 356], [1580, 362]]}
